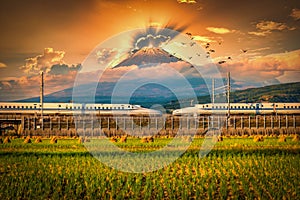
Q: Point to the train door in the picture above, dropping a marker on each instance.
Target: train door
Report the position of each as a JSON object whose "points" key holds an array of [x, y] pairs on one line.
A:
{"points": [[257, 109]]}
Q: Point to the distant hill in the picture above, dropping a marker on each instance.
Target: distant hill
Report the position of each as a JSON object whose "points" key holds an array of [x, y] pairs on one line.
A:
{"points": [[288, 92]]}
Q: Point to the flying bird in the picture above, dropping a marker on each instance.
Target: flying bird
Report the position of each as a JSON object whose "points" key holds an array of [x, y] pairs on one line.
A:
{"points": [[190, 57], [211, 50], [198, 54], [244, 50], [189, 34], [221, 62], [229, 58]]}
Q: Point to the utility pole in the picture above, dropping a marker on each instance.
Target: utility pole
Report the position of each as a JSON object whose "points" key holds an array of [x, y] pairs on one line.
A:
{"points": [[42, 98], [228, 98], [213, 92]]}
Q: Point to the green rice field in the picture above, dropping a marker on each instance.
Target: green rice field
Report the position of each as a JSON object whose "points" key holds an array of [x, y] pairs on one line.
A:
{"points": [[236, 168]]}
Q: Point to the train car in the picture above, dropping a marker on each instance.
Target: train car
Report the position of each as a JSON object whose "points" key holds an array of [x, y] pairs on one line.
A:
{"points": [[74, 108], [240, 109], [119, 109]]}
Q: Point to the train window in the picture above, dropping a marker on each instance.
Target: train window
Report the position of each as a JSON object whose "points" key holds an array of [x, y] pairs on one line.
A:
{"points": [[34, 107], [22, 107], [8, 106], [206, 106], [277, 106], [262, 105], [59, 106], [288, 106], [292, 106], [283, 106], [26, 107], [0, 106], [234, 106], [30, 107]]}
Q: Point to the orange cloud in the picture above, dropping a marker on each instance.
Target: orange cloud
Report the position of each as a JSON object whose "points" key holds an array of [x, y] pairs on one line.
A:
{"points": [[2, 65], [186, 1], [295, 13], [43, 62], [218, 30], [262, 68], [204, 39]]}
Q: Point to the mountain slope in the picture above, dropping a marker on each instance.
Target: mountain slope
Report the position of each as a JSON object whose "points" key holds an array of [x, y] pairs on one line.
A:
{"points": [[289, 92], [147, 56]]}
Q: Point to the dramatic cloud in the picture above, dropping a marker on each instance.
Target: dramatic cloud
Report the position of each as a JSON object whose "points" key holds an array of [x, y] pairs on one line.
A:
{"points": [[57, 75], [271, 26], [35, 65], [105, 55], [264, 68], [266, 27], [295, 13], [218, 30], [2, 65], [186, 1], [203, 38], [151, 40]]}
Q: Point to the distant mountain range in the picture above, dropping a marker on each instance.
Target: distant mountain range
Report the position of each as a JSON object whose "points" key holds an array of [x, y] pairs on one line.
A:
{"points": [[150, 94], [288, 92]]}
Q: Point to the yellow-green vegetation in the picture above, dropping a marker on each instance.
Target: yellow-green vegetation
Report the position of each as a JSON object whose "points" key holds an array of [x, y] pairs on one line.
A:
{"points": [[236, 168]]}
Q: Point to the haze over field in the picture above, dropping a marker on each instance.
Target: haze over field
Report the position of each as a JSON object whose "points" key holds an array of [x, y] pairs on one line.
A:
{"points": [[256, 40]]}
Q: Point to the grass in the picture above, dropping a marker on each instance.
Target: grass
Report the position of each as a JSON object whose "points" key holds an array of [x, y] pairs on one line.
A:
{"points": [[236, 168]]}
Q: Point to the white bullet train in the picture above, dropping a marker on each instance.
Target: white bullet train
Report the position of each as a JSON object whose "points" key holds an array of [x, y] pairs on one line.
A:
{"points": [[75, 108], [240, 108]]}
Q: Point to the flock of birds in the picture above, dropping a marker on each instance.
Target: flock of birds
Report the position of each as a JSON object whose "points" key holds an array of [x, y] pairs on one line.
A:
{"points": [[208, 48]]}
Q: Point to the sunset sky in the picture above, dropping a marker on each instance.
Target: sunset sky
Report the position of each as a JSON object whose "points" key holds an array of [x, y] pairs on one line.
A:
{"points": [[57, 36]]}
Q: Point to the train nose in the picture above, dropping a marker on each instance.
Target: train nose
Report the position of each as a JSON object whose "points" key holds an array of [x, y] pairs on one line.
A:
{"points": [[177, 112]]}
